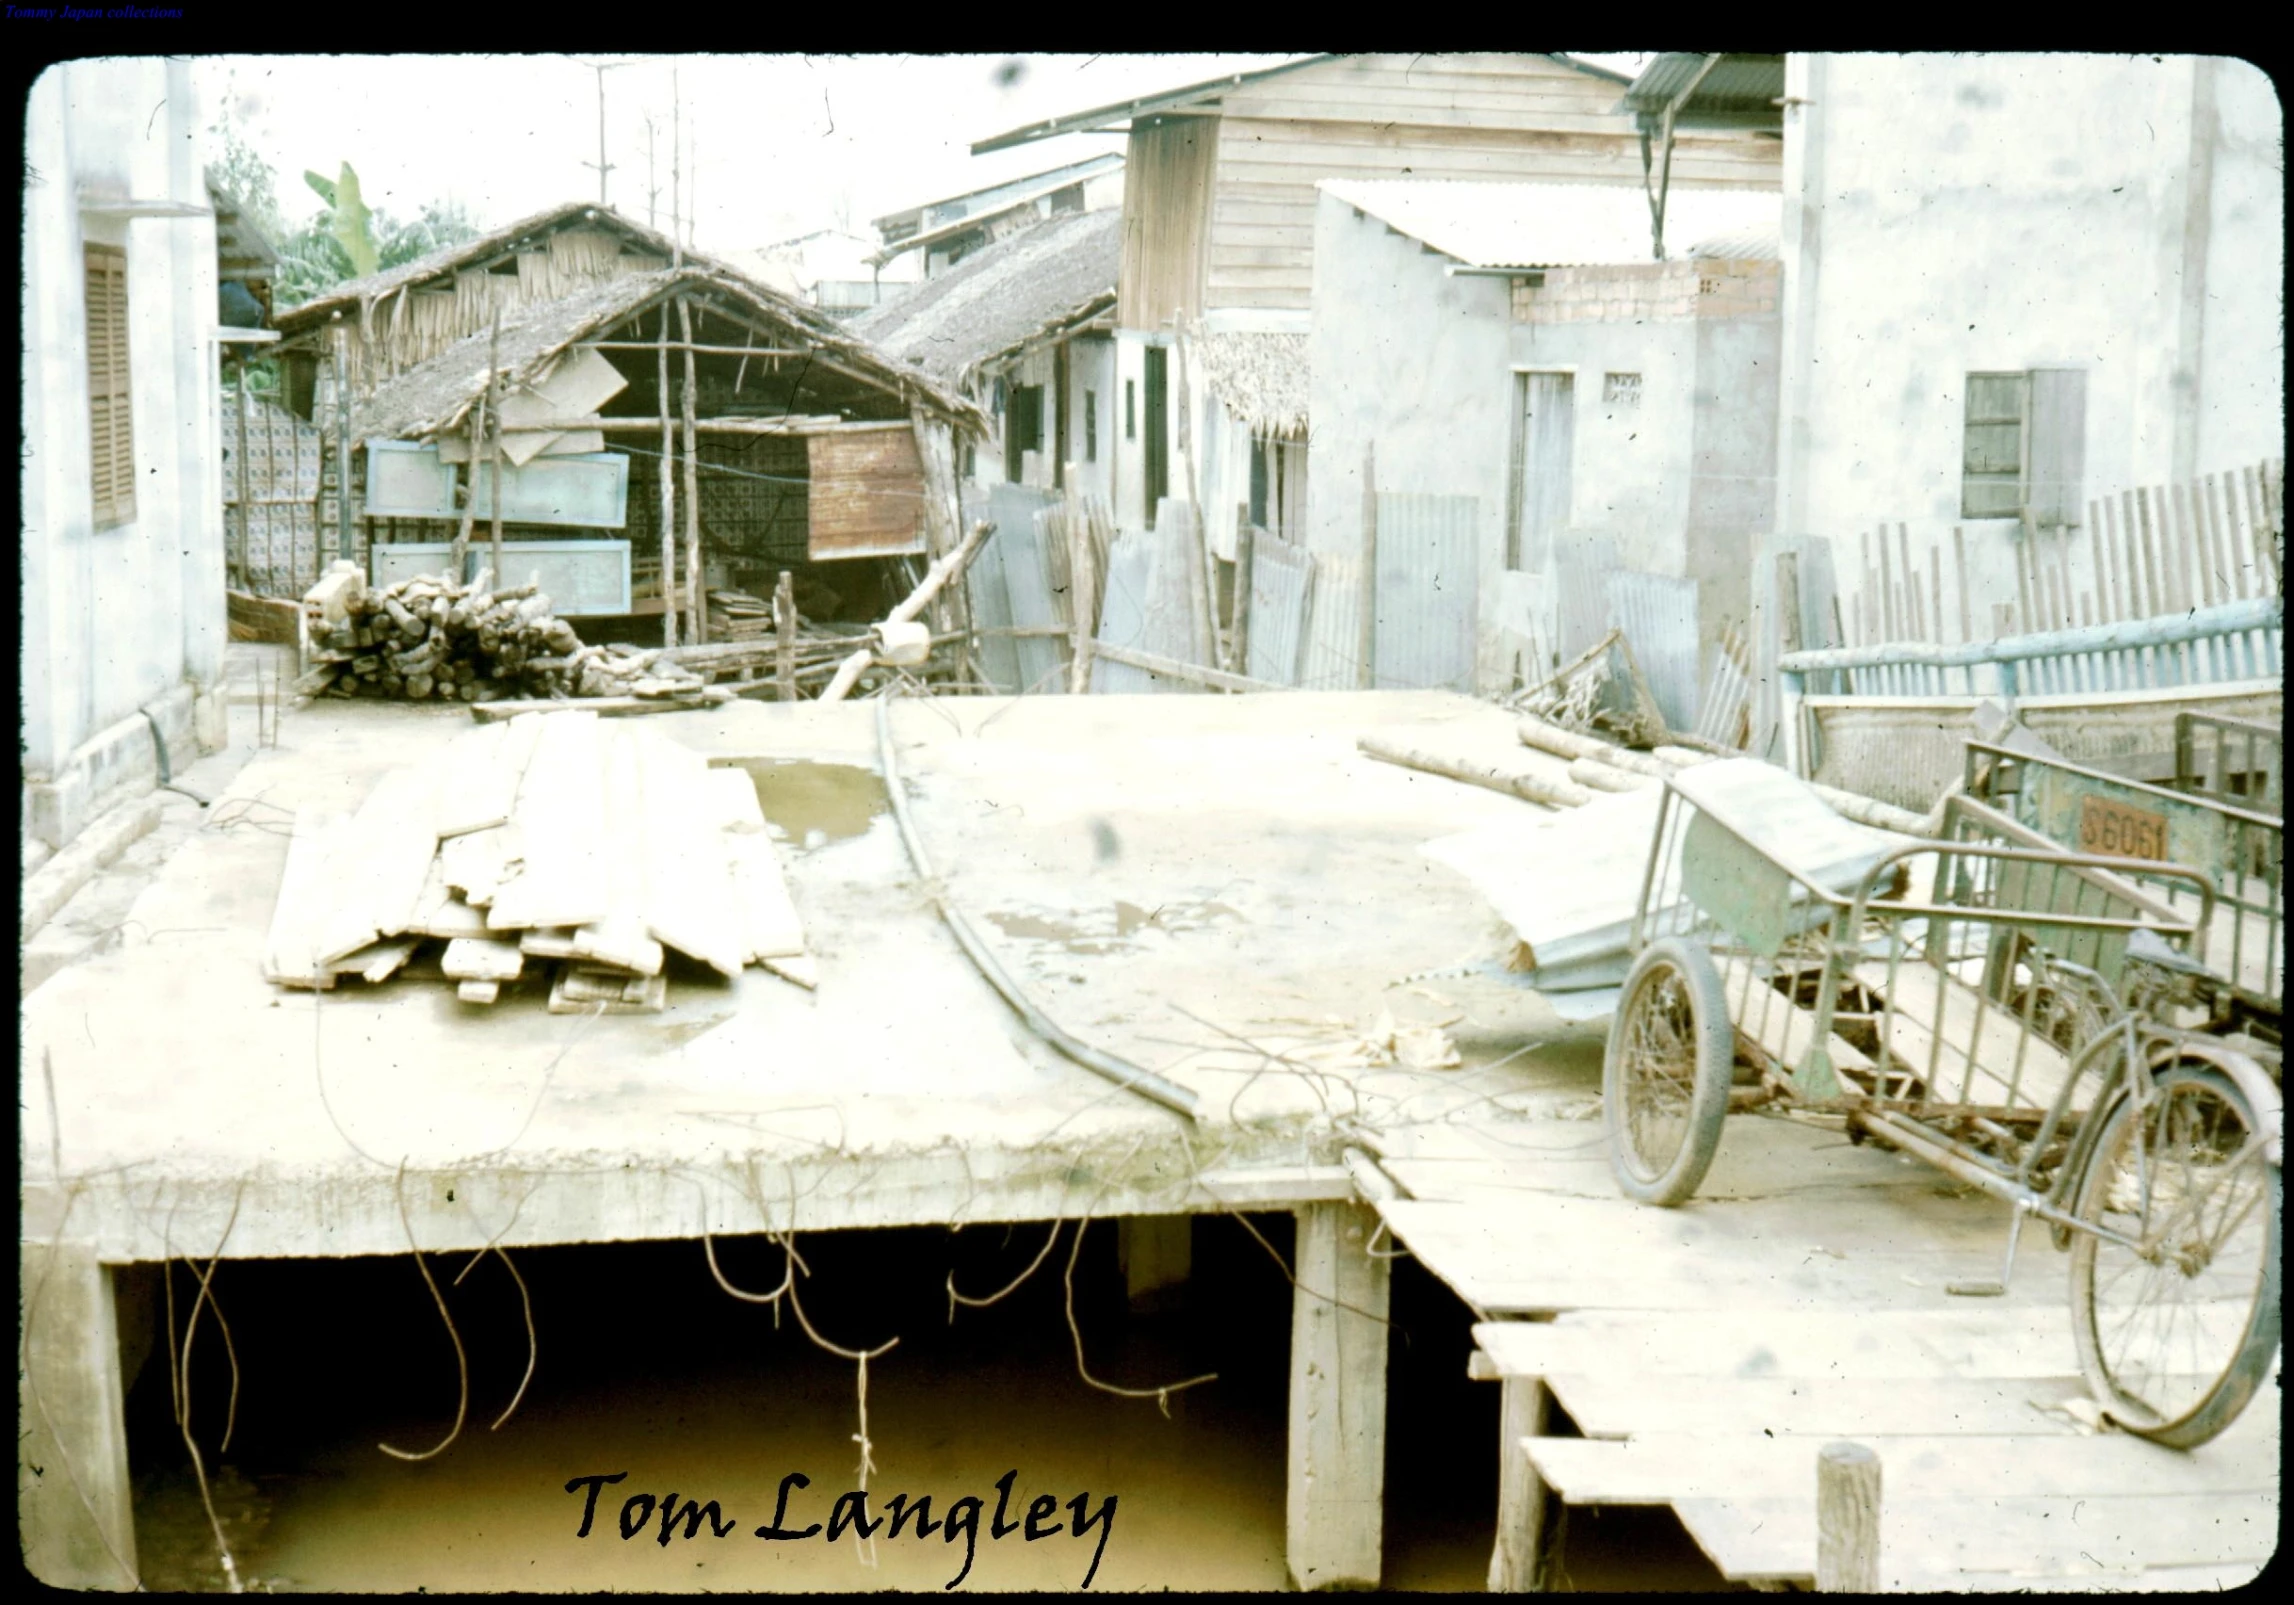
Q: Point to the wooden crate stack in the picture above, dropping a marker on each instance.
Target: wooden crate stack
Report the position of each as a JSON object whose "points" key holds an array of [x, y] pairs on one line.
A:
{"points": [[551, 838]]}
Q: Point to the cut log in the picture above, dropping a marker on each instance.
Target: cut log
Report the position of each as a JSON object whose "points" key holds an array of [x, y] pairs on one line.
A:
{"points": [[1553, 793]]}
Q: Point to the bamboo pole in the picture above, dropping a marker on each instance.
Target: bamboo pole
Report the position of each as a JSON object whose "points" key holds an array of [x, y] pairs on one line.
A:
{"points": [[668, 490], [494, 464], [460, 551], [785, 639], [695, 600], [942, 571], [245, 509], [690, 346], [1959, 565], [2160, 600], [1246, 568], [1082, 590]]}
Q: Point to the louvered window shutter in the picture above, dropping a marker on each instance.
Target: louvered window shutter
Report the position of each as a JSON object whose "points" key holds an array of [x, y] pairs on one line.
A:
{"points": [[111, 430]]}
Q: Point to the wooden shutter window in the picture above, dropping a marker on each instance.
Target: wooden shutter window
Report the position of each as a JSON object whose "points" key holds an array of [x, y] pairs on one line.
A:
{"points": [[111, 430]]}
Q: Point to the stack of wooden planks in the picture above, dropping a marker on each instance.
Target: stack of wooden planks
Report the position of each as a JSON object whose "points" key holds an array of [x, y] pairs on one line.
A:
{"points": [[428, 637], [597, 848]]}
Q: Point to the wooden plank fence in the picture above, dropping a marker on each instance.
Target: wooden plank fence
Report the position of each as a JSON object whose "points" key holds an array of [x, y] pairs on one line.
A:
{"points": [[2142, 553]]}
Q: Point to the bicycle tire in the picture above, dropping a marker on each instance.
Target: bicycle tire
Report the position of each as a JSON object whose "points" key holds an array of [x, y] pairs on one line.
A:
{"points": [[1666, 1073], [2249, 1337]]}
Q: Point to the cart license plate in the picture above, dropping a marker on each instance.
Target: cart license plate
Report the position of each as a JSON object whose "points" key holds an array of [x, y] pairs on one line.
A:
{"points": [[2120, 829]]}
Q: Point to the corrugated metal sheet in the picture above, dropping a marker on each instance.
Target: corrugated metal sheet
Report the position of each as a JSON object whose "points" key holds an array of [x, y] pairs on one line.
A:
{"points": [[1743, 84], [1429, 553], [1659, 617], [1035, 603], [1333, 659], [1282, 589], [1582, 566], [1123, 613], [866, 495], [990, 598], [1550, 225]]}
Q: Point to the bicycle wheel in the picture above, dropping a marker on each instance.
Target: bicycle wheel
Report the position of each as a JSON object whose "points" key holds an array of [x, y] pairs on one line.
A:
{"points": [[1666, 1071], [2175, 1336]]}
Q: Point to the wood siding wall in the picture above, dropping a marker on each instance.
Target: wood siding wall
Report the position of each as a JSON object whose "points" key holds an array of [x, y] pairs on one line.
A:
{"points": [[1519, 118], [1166, 208], [867, 494]]}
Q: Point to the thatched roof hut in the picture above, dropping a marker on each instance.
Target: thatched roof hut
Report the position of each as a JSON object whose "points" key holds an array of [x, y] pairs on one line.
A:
{"points": [[434, 398], [1261, 379], [1038, 284]]}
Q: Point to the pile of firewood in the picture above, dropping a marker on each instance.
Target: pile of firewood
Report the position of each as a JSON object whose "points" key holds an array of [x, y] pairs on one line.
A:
{"points": [[429, 638]]}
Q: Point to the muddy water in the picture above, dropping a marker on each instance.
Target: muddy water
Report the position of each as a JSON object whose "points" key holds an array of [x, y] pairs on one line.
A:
{"points": [[813, 804], [646, 1368]]}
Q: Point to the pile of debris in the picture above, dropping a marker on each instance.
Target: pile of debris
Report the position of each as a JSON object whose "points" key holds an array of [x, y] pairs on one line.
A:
{"points": [[429, 638], [598, 848]]}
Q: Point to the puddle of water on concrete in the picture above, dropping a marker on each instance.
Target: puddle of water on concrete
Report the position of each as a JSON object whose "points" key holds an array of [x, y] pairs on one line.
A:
{"points": [[813, 804], [1112, 935]]}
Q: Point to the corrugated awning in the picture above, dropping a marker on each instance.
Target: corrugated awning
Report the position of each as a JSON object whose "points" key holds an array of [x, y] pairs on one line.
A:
{"points": [[1738, 91]]}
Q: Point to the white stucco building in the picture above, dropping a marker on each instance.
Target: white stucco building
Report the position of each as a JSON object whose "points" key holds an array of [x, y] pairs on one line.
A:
{"points": [[122, 542], [2015, 284]]}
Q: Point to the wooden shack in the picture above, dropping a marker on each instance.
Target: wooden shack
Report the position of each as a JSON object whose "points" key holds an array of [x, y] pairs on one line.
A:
{"points": [[663, 427]]}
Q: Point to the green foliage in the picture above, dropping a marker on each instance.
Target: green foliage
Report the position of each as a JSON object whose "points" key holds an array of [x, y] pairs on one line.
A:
{"points": [[314, 259], [246, 180]]}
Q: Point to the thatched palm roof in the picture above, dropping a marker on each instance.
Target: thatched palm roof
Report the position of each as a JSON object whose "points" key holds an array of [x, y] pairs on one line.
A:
{"points": [[1028, 284], [433, 398], [450, 259], [1260, 378]]}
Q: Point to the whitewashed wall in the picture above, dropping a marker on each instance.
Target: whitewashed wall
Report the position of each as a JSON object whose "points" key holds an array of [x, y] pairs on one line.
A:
{"points": [[132, 617], [1954, 214]]}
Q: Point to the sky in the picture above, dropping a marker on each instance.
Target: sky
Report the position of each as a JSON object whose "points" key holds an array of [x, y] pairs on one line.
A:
{"points": [[776, 146]]}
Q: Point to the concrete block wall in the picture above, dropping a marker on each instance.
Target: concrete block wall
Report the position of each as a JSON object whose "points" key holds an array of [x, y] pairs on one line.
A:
{"points": [[1654, 291]]}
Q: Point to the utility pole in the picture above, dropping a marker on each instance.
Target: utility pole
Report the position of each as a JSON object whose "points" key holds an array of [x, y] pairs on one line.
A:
{"points": [[652, 188], [601, 68], [676, 172]]}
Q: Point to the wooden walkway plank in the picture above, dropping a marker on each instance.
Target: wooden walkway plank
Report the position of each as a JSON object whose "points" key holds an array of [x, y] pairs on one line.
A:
{"points": [[1979, 1342], [733, 800], [1661, 1468], [489, 763], [618, 938], [1619, 1404], [1774, 1539], [771, 927], [1594, 1254]]}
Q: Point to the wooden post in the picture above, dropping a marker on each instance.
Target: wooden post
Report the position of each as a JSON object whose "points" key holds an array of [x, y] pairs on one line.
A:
{"points": [[1366, 675], [342, 438], [1514, 1567], [1082, 592], [696, 594], [1156, 1253], [785, 639], [73, 1517], [667, 466], [246, 509], [494, 471], [460, 556], [1246, 566], [1847, 1519], [1337, 1461]]}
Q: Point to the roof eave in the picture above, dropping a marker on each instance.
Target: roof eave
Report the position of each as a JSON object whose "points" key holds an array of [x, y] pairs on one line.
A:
{"points": [[1100, 119]]}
